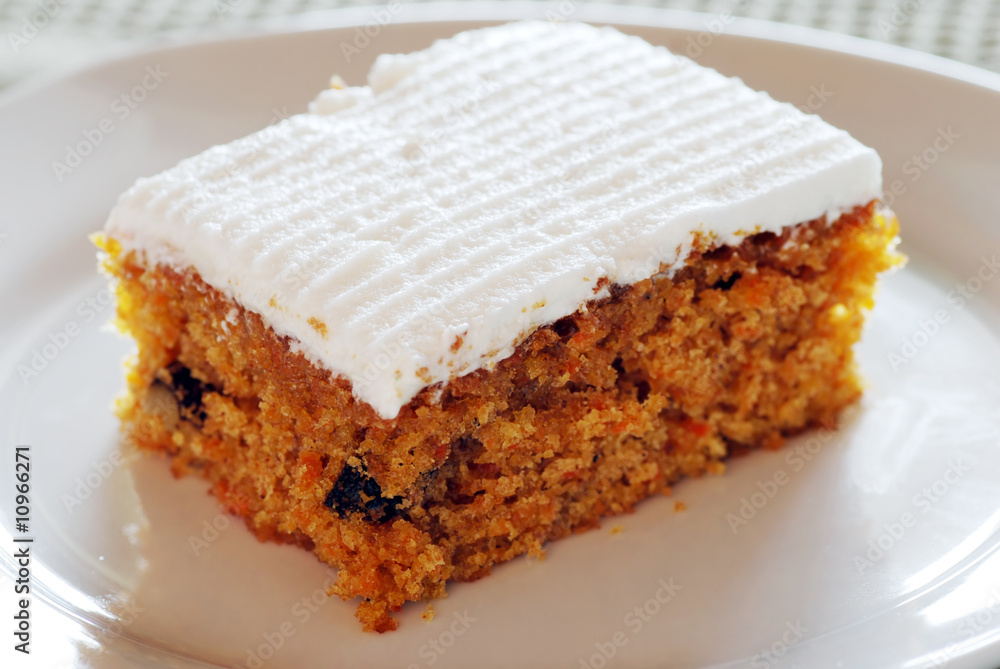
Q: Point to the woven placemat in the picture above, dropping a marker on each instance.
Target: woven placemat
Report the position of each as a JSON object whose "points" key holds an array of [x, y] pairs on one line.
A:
{"points": [[42, 34]]}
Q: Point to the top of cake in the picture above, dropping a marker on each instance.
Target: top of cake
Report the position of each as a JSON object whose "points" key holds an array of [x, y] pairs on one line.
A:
{"points": [[418, 228]]}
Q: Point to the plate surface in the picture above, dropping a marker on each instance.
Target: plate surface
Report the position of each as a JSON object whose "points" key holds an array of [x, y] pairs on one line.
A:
{"points": [[875, 546]]}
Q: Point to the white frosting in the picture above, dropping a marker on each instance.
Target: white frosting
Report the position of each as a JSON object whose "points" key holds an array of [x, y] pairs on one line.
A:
{"points": [[479, 189]]}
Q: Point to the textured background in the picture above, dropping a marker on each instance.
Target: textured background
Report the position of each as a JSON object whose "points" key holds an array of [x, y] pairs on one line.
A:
{"points": [[45, 34]]}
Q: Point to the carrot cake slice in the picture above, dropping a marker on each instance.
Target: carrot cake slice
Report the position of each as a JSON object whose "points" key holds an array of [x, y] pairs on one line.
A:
{"points": [[521, 280]]}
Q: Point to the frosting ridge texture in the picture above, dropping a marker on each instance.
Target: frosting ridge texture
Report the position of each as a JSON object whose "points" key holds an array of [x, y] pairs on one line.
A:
{"points": [[418, 228]]}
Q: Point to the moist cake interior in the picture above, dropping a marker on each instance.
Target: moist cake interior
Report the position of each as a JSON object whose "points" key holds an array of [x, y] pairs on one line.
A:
{"points": [[661, 379]]}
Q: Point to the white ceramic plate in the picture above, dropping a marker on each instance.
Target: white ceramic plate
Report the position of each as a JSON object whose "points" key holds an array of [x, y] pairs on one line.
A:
{"points": [[877, 546]]}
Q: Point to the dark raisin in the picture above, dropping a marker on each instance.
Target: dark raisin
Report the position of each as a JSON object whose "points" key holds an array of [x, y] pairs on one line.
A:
{"points": [[720, 253], [618, 289], [618, 366], [355, 491], [727, 283], [641, 391], [565, 328], [188, 391]]}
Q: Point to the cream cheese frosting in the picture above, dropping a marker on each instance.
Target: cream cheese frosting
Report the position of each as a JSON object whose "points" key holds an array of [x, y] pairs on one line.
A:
{"points": [[418, 228]]}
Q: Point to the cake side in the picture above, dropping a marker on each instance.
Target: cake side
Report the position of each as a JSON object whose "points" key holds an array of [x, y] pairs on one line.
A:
{"points": [[481, 188], [660, 379]]}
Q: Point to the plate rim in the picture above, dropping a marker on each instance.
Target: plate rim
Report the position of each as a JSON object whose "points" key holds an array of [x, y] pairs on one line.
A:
{"points": [[485, 11], [488, 11]]}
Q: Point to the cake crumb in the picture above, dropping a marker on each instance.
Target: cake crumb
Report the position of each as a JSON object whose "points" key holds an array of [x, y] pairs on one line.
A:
{"points": [[716, 467], [617, 529], [319, 326], [774, 441], [514, 430], [839, 313], [428, 614]]}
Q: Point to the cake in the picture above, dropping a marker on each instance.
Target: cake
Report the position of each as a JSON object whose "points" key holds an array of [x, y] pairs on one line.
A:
{"points": [[520, 281]]}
